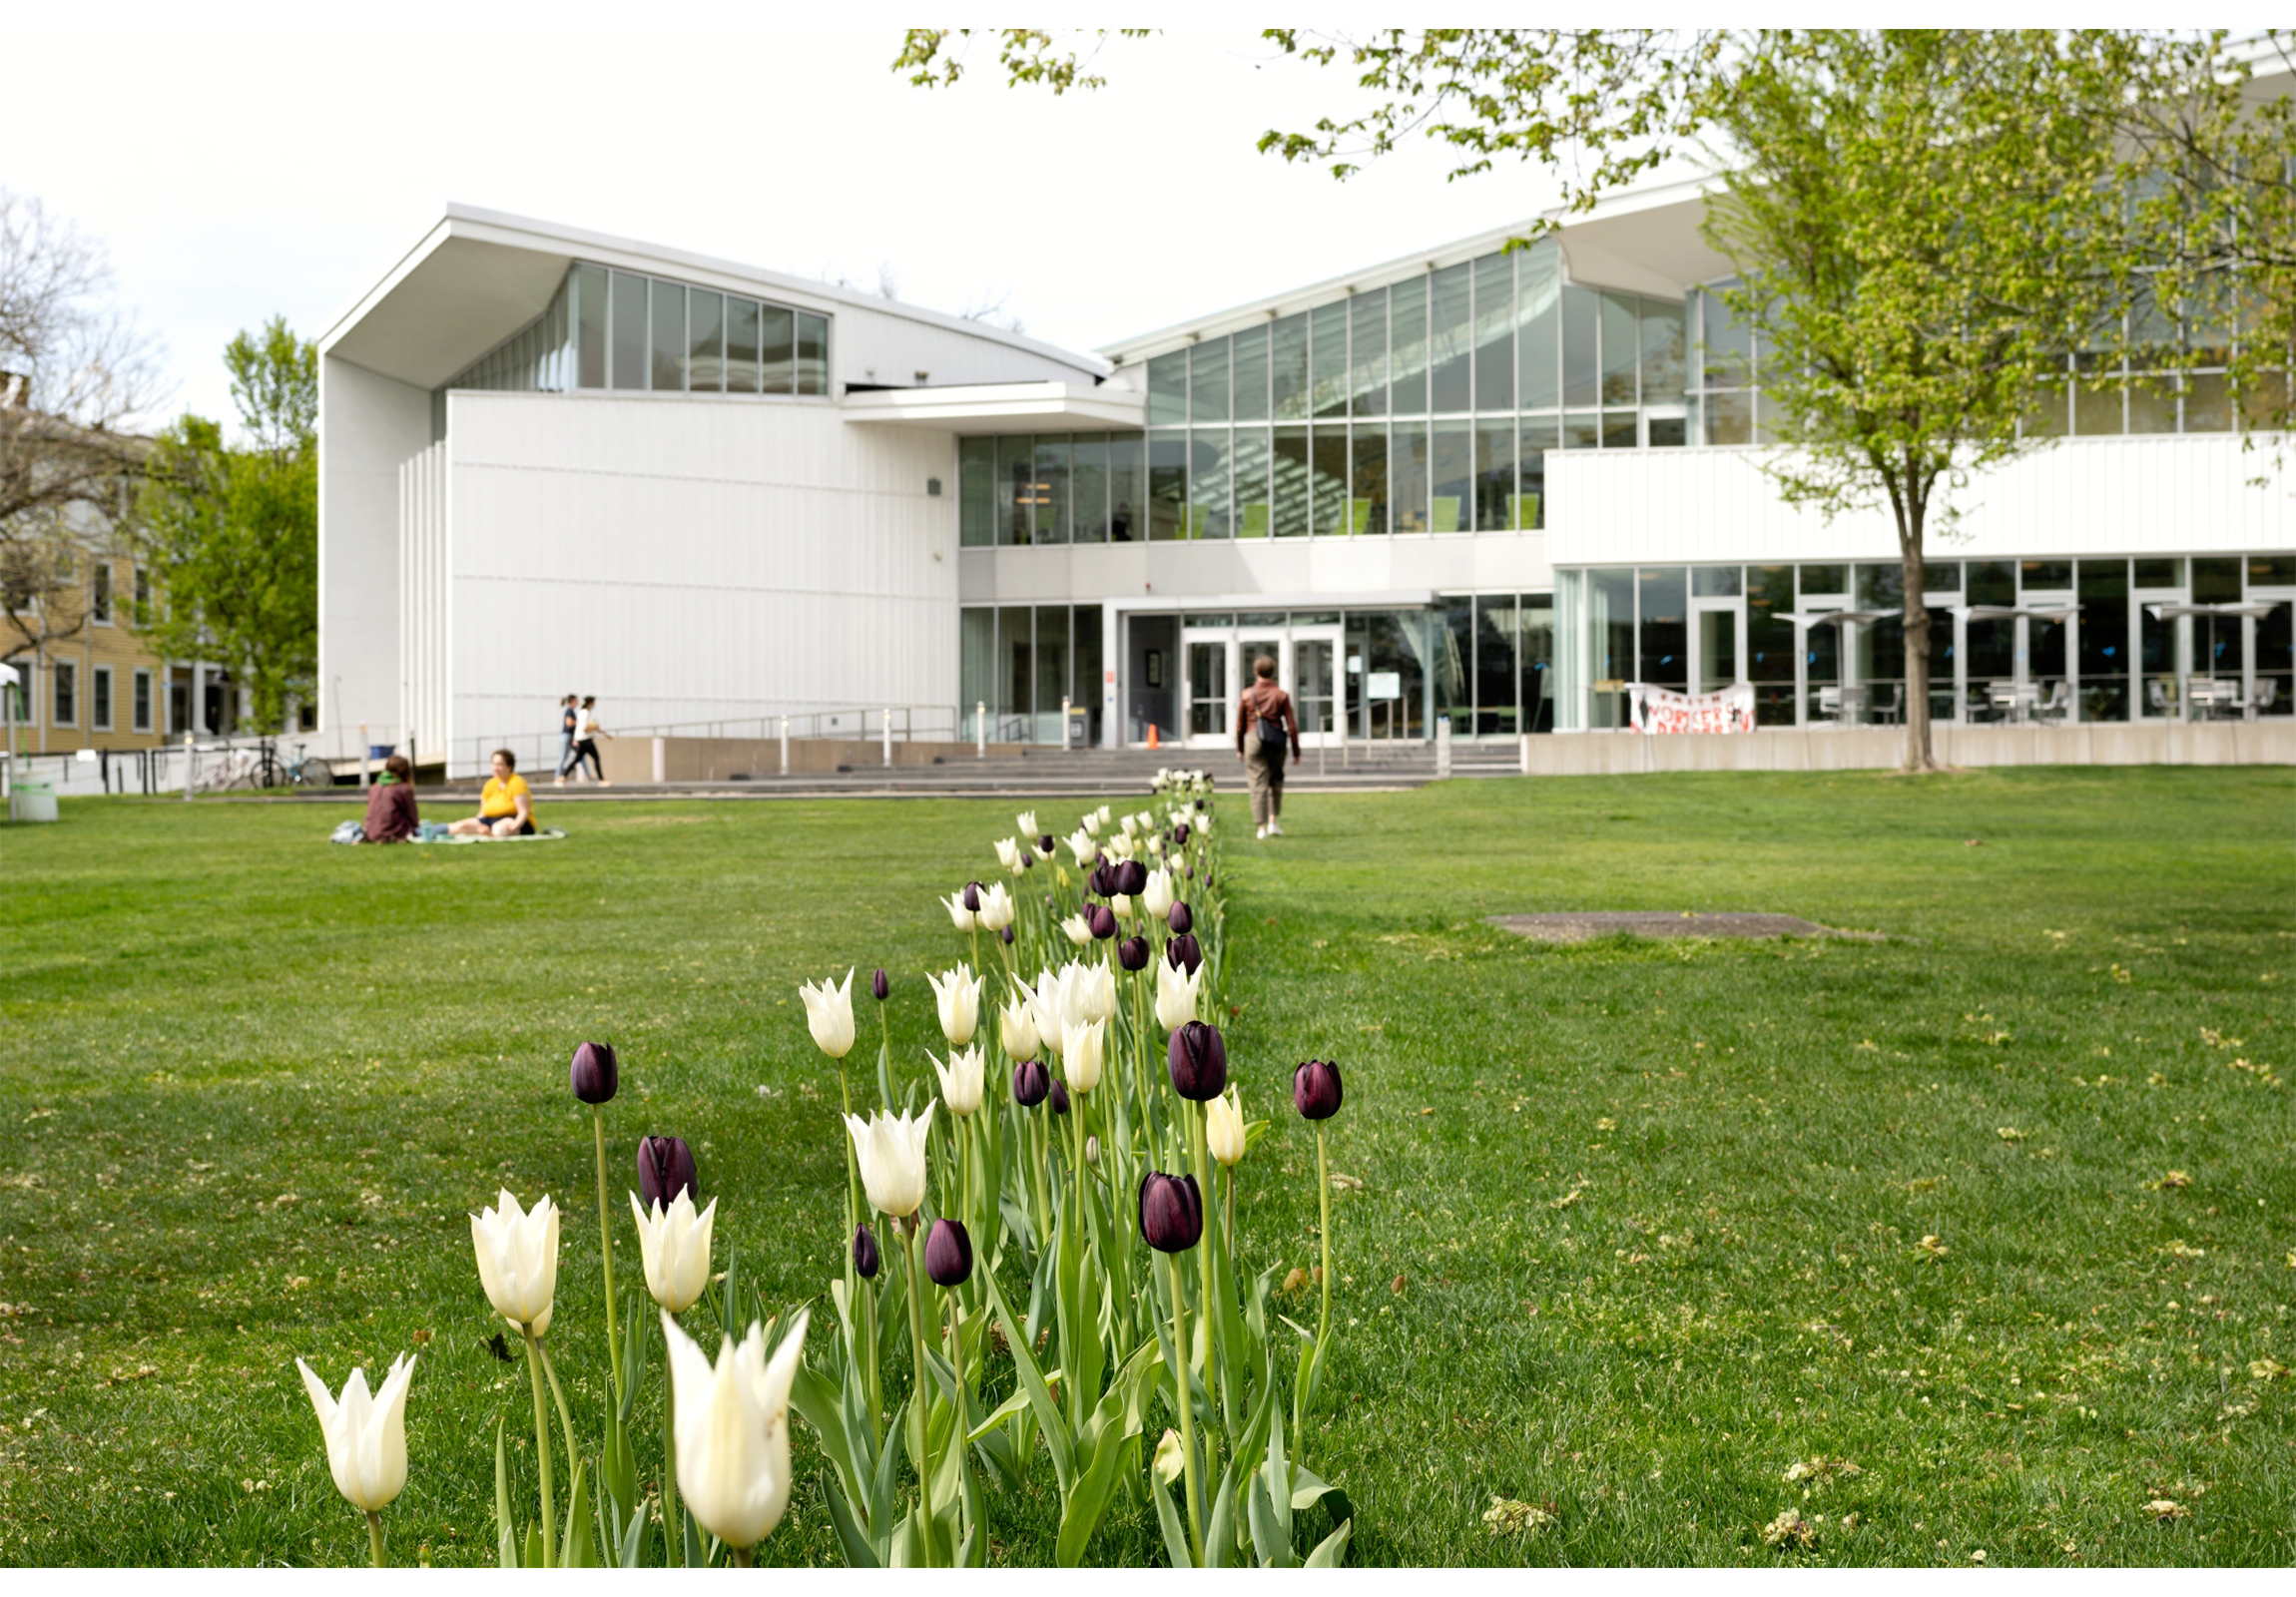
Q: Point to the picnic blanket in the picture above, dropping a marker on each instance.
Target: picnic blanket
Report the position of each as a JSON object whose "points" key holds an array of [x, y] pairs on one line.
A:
{"points": [[351, 832]]}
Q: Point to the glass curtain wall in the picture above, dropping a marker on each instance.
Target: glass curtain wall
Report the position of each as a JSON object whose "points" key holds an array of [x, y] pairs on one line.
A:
{"points": [[1019, 660], [1424, 407], [621, 330]]}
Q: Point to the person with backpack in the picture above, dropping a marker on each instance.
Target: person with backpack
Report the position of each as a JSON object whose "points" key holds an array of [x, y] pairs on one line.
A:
{"points": [[1266, 726]]}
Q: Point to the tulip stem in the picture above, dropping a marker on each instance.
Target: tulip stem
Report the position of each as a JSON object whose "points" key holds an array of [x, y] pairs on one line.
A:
{"points": [[542, 1451], [740, 1556], [1201, 1124], [375, 1536], [918, 1386], [558, 1396], [606, 1242], [673, 1522], [1187, 1401], [1324, 1197]]}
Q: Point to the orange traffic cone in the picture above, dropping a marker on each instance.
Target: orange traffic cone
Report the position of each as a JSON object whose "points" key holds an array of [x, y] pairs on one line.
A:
{"points": [[1152, 743]]}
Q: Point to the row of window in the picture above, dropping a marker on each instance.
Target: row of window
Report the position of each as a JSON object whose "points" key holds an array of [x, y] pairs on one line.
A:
{"points": [[1705, 627], [64, 698], [1728, 407], [1329, 479], [1500, 334], [622, 329]]}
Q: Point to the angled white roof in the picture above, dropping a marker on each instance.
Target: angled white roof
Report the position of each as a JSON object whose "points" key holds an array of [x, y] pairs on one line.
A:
{"points": [[479, 276]]}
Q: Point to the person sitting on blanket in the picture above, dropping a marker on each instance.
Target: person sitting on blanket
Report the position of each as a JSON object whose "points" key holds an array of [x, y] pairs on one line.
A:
{"points": [[390, 812], [505, 803]]}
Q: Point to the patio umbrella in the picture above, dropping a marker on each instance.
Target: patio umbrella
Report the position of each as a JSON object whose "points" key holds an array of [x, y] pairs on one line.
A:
{"points": [[2170, 612], [2007, 612], [1818, 618]]}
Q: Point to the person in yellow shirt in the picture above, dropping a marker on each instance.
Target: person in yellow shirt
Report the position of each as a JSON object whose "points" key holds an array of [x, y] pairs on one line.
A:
{"points": [[505, 803]]}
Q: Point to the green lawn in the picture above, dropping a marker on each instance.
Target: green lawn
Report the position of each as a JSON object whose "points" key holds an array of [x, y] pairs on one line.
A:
{"points": [[1641, 1225]]}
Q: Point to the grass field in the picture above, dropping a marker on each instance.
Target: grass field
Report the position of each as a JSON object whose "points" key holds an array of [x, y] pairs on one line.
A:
{"points": [[1642, 1227]]}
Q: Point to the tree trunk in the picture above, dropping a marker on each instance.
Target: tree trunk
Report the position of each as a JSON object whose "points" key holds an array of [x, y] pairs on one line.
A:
{"points": [[1912, 508]]}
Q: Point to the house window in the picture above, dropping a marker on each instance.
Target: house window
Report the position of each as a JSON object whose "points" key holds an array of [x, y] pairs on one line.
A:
{"points": [[66, 702], [143, 598], [100, 599], [102, 690], [143, 721]]}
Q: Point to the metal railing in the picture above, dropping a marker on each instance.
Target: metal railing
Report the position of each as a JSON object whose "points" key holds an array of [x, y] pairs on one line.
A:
{"points": [[866, 723]]}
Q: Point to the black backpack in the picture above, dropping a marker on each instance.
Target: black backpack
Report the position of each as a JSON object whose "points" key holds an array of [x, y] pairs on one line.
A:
{"points": [[1273, 741]]}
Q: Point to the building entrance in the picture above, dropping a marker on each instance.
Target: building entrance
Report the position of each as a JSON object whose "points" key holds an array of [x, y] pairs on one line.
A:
{"points": [[1219, 659]]}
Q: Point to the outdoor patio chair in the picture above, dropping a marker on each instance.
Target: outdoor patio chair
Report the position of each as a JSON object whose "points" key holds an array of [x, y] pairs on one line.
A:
{"points": [[1893, 710], [2156, 697], [2055, 708]]}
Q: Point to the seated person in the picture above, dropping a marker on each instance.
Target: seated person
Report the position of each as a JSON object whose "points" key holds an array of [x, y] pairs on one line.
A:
{"points": [[390, 812], [505, 803]]}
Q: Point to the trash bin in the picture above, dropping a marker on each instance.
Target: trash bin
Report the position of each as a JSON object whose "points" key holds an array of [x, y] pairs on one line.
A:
{"points": [[32, 800], [380, 751]]}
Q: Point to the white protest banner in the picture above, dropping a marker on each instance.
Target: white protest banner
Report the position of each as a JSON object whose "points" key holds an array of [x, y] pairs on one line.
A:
{"points": [[1663, 709]]}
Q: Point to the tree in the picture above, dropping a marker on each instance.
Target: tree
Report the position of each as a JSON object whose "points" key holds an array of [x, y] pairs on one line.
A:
{"points": [[75, 377], [232, 530]]}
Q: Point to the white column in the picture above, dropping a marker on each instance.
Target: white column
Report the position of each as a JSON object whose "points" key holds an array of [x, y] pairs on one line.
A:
{"points": [[785, 746], [889, 739], [980, 730], [661, 760]]}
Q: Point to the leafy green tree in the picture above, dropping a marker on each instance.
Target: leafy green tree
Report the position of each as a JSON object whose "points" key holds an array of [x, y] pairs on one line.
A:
{"points": [[232, 530]]}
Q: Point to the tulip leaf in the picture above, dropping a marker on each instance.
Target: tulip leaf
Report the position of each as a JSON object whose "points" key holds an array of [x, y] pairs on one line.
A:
{"points": [[1080, 1514], [634, 1344], [811, 1397], [532, 1557], [507, 1553], [1308, 1489], [1279, 1479], [881, 1499], [858, 1553], [575, 1551], [1032, 1382], [633, 1538], [1004, 1412], [697, 1554], [1220, 1535], [1332, 1551], [1268, 1538], [1167, 1518]]}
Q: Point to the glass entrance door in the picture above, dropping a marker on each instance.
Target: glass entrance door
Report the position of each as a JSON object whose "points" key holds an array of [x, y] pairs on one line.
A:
{"points": [[1220, 659], [1209, 674], [1716, 658]]}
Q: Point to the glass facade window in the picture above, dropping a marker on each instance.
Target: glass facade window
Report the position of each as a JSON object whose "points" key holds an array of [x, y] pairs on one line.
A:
{"points": [[1015, 490], [1537, 337], [1288, 368], [1328, 359], [1210, 464], [1409, 471], [1581, 331], [1127, 487], [1328, 478], [1367, 500], [1250, 466], [741, 348], [1407, 334], [706, 343], [812, 355], [1088, 487], [1208, 382], [1166, 485], [590, 326], [1452, 474], [975, 492], [778, 350], [1495, 333], [1168, 389], [1251, 375], [1494, 476], [1050, 495], [1451, 339], [1621, 354], [1663, 356], [1538, 435], [628, 311], [668, 367], [1290, 480], [1368, 353]]}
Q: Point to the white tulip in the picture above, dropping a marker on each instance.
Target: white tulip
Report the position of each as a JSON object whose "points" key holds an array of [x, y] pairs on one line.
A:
{"points": [[959, 994], [1131, 825], [1026, 822], [675, 1246], [1177, 992], [960, 1080], [733, 1429], [1224, 1128], [1045, 1010], [890, 1149], [995, 907], [1091, 824], [1078, 932], [518, 1260], [1105, 814], [1008, 853], [1080, 1054], [829, 1015], [365, 1436], [1091, 992], [1018, 1025], [1156, 844], [1085, 848], [1158, 897], [957, 914]]}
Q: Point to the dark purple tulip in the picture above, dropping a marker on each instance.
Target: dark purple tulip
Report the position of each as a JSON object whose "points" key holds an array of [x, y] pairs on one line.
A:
{"points": [[971, 897], [1132, 878], [1132, 953], [1031, 1082], [1005, 932], [1059, 1098], [1188, 870], [594, 1074], [948, 1254], [1103, 880], [1180, 832], [879, 987], [666, 1169], [1182, 952], [1027, 861], [1182, 918], [1045, 845], [864, 1254], [1316, 1089], [1171, 1212], [1101, 919], [1198, 1057]]}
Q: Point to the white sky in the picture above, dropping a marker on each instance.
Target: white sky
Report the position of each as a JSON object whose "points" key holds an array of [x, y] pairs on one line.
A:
{"points": [[259, 164]]}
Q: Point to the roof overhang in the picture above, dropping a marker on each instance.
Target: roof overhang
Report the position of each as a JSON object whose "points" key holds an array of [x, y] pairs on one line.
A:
{"points": [[1002, 407]]}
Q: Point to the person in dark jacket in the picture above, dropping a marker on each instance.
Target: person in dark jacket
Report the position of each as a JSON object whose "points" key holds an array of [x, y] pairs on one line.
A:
{"points": [[390, 812], [1266, 729]]}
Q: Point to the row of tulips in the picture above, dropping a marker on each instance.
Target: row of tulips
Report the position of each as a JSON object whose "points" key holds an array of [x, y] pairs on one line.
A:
{"points": [[1067, 1151]]}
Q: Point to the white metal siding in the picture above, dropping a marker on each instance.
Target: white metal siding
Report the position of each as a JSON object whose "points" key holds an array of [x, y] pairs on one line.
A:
{"points": [[2102, 496], [425, 611]]}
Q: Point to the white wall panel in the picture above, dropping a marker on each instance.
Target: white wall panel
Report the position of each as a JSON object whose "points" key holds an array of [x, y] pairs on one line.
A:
{"points": [[690, 560], [367, 426], [1188, 573], [2165, 495]]}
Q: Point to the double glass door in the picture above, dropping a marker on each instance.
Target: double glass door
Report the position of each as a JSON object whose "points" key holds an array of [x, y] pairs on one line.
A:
{"points": [[1221, 662]]}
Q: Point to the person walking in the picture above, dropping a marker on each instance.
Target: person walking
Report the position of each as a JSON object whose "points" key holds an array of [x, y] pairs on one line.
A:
{"points": [[1266, 727], [568, 722], [587, 732]]}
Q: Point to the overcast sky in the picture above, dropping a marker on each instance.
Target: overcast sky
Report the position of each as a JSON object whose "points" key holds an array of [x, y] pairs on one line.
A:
{"points": [[258, 163]]}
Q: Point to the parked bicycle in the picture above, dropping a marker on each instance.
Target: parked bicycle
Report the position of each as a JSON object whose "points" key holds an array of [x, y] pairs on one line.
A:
{"points": [[260, 768]]}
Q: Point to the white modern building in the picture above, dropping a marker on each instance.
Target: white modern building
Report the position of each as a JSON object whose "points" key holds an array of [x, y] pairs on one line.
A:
{"points": [[1479, 483]]}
